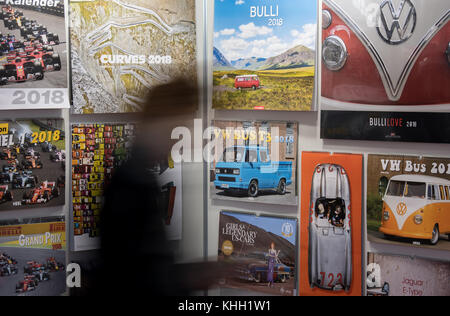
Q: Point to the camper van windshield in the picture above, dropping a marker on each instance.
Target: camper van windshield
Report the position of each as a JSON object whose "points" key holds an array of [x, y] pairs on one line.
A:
{"points": [[416, 190], [233, 154], [396, 188]]}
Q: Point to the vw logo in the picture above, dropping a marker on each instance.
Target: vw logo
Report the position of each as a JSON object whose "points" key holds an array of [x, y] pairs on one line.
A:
{"points": [[396, 24], [402, 209]]}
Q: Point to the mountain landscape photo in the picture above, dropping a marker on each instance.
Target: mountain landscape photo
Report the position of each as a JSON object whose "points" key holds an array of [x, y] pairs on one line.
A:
{"points": [[297, 57], [277, 53], [219, 61], [287, 81]]}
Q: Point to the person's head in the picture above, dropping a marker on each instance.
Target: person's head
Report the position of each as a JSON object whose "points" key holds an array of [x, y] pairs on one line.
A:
{"points": [[321, 208], [338, 210], [167, 106], [272, 245]]}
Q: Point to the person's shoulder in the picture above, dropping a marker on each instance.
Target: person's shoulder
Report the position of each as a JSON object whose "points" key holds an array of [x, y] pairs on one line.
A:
{"points": [[133, 173]]}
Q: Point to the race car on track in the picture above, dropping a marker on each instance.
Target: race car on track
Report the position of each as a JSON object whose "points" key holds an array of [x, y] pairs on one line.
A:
{"points": [[7, 154], [5, 194], [48, 59], [31, 46], [9, 43], [10, 168], [6, 258], [12, 50], [9, 10], [31, 153], [24, 180], [47, 38], [58, 156], [34, 31], [7, 265], [21, 70], [48, 147], [18, 149], [18, 53], [40, 274], [7, 269], [46, 192], [32, 163], [13, 166], [6, 177], [54, 265], [27, 28], [32, 28], [5, 11], [13, 22], [26, 285], [32, 267], [330, 242]]}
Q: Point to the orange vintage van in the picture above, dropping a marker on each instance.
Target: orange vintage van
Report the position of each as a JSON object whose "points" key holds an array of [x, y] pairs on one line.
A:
{"points": [[416, 206]]}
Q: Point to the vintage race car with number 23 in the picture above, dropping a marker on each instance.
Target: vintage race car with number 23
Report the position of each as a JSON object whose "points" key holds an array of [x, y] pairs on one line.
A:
{"points": [[330, 241]]}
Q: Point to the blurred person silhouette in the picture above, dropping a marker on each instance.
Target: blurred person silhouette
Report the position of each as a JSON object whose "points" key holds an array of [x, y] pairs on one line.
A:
{"points": [[136, 256]]}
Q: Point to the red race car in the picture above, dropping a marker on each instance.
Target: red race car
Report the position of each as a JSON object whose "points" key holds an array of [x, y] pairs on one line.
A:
{"points": [[21, 70], [26, 285], [14, 54], [31, 46], [46, 192], [5, 194], [49, 60], [31, 267]]}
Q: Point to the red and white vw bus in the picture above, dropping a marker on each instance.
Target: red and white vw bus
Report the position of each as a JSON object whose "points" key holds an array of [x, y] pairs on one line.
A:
{"points": [[385, 52]]}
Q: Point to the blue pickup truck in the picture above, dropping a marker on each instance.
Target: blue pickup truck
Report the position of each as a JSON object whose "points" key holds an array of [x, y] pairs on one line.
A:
{"points": [[250, 169]]}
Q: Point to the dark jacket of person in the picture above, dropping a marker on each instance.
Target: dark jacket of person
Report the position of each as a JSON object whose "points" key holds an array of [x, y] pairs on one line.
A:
{"points": [[135, 253]]}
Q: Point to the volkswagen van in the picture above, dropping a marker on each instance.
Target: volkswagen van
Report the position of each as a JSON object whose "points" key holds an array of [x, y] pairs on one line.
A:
{"points": [[250, 169], [248, 81], [417, 207], [330, 235]]}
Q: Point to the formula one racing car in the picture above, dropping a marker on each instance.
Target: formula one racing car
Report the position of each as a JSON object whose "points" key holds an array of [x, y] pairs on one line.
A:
{"points": [[46, 192], [21, 70], [5, 194], [24, 180]]}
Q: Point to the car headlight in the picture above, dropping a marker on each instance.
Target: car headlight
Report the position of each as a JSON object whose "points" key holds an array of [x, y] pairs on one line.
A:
{"points": [[326, 19], [236, 172], [386, 216], [334, 53], [418, 219]]}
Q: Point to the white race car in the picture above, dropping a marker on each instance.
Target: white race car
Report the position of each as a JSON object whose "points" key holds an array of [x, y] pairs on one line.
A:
{"points": [[330, 243]]}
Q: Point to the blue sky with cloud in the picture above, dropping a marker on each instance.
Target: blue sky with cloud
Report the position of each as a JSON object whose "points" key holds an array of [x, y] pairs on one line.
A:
{"points": [[237, 35], [270, 224]]}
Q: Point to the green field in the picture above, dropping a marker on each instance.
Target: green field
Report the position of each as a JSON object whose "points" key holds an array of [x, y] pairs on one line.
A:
{"points": [[373, 225], [282, 90], [374, 211]]}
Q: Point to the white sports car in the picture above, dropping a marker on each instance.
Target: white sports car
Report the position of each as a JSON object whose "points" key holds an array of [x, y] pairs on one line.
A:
{"points": [[330, 242]]}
